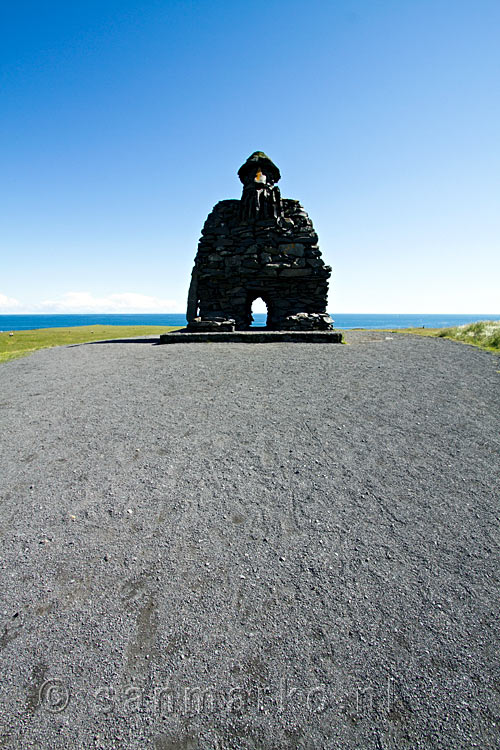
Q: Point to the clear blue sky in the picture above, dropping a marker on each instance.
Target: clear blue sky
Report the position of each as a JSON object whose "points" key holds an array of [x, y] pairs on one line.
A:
{"points": [[123, 123]]}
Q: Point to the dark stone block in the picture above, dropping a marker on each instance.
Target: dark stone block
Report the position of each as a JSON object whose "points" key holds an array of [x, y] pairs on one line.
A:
{"points": [[296, 272]]}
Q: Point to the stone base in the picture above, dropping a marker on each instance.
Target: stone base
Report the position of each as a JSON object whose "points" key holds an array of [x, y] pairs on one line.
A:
{"points": [[252, 337], [308, 322], [215, 324]]}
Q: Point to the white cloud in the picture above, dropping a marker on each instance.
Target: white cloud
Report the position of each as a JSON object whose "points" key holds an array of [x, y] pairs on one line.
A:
{"points": [[8, 304], [259, 306], [128, 302]]}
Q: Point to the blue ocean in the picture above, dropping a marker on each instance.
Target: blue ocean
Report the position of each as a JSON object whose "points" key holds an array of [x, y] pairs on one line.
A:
{"points": [[342, 321]]}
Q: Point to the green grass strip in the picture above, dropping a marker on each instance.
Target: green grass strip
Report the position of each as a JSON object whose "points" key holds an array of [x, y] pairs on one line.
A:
{"points": [[21, 343], [484, 334]]}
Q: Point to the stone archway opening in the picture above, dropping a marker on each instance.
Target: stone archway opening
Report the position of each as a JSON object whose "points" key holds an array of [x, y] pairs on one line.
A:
{"points": [[258, 303], [258, 308]]}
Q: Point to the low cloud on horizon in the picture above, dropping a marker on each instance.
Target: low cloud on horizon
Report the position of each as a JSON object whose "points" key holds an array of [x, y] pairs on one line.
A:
{"points": [[86, 302]]}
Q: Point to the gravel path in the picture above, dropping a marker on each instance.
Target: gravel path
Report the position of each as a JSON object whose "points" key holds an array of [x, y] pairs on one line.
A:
{"points": [[250, 546]]}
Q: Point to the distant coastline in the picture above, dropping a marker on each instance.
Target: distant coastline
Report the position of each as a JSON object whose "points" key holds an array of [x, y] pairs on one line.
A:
{"points": [[343, 321]]}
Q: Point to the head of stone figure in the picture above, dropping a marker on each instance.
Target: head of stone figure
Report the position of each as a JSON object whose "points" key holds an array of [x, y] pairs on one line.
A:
{"points": [[258, 168]]}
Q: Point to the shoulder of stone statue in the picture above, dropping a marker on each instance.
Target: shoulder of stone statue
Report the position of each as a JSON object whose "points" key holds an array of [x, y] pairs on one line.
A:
{"points": [[229, 203]]}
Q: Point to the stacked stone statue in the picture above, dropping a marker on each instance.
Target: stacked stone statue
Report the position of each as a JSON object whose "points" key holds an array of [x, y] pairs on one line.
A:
{"points": [[260, 246]]}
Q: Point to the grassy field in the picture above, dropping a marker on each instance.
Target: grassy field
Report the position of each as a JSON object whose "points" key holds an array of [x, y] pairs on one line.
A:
{"points": [[25, 342], [485, 334]]}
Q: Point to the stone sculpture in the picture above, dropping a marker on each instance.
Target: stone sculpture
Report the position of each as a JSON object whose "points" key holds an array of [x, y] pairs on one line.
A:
{"points": [[259, 246]]}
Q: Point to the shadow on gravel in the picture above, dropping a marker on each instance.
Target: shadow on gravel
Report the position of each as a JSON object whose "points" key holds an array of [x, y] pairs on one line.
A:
{"points": [[152, 341]]}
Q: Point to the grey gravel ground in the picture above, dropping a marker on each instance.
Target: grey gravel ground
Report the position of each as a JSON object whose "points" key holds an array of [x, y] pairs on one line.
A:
{"points": [[250, 546]]}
